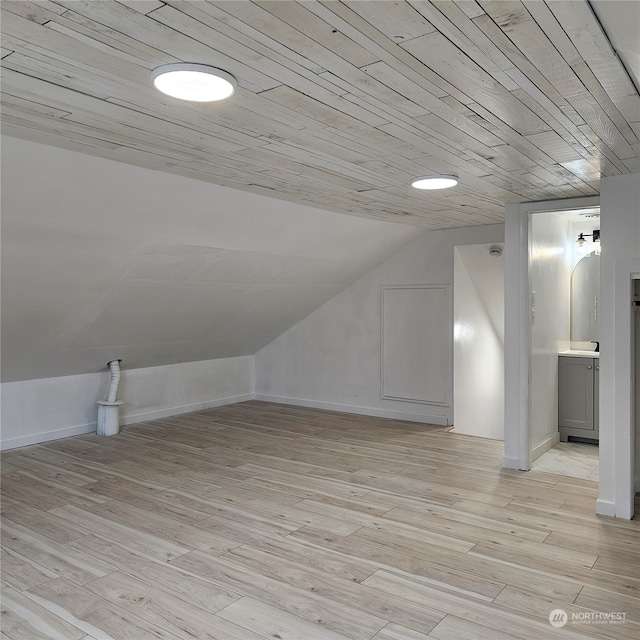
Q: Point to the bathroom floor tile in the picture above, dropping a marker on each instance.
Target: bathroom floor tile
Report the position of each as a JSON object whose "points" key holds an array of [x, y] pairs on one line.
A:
{"points": [[572, 459]]}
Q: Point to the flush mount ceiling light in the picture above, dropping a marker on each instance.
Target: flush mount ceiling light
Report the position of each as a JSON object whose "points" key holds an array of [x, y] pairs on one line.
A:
{"points": [[193, 82], [436, 181]]}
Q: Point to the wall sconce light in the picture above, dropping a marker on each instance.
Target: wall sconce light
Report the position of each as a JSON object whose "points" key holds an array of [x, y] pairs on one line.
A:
{"points": [[582, 237]]}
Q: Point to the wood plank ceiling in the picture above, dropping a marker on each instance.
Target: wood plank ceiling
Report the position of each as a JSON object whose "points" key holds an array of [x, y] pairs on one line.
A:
{"points": [[340, 104]]}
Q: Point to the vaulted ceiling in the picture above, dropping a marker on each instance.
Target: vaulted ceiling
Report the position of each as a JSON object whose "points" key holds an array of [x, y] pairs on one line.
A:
{"points": [[341, 104]]}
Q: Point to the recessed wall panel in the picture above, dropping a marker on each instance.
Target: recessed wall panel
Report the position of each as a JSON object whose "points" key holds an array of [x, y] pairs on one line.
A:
{"points": [[416, 344]]}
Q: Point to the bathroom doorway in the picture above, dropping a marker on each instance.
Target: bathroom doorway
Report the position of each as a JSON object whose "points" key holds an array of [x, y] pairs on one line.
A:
{"points": [[564, 277]]}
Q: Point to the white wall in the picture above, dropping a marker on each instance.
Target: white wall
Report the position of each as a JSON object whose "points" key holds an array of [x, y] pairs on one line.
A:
{"points": [[478, 333], [575, 255], [46, 409], [636, 321], [102, 260], [619, 262], [550, 274], [332, 358]]}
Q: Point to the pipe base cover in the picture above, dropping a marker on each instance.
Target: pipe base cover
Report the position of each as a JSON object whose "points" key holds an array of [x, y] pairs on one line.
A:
{"points": [[108, 417]]}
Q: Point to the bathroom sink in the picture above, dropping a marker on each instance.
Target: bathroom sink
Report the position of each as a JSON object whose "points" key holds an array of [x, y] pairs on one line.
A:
{"points": [[579, 353]]}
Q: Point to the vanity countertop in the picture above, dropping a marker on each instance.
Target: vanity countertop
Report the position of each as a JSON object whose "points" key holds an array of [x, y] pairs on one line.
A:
{"points": [[576, 353]]}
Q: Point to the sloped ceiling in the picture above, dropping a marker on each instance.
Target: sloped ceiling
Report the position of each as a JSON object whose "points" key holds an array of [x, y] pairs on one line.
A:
{"points": [[153, 258], [102, 260], [340, 104]]}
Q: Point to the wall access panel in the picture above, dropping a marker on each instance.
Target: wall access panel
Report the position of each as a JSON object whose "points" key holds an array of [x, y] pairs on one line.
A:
{"points": [[416, 338]]}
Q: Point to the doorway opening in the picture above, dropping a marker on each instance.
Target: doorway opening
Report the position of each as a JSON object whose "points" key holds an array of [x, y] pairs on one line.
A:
{"points": [[564, 280]]}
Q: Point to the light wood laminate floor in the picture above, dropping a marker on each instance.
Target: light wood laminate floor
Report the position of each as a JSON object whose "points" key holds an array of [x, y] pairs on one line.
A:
{"points": [[257, 520]]}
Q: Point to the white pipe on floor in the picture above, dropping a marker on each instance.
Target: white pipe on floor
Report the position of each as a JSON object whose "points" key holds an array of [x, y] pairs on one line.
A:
{"points": [[114, 365], [109, 409]]}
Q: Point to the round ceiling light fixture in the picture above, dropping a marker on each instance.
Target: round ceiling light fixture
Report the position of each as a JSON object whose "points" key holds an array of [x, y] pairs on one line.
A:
{"points": [[435, 181], [193, 82]]}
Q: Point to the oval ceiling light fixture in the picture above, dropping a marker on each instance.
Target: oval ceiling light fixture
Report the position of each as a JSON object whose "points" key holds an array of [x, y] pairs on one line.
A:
{"points": [[435, 181], [193, 82]]}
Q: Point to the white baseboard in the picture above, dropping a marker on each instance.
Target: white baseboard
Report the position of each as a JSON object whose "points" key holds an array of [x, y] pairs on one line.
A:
{"points": [[46, 436], [57, 434], [347, 408], [187, 408], [510, 462], [605, 508], [545, 446], [134, 418]]}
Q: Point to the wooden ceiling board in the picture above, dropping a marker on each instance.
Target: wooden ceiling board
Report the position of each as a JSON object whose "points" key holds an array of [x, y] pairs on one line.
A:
{"points": [[339, 104]]}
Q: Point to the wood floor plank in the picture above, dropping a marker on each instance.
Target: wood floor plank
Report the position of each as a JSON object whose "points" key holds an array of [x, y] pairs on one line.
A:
{"points": [[293, 515], [314, 485], [93, 614], [147, 499], [482, 613], [161, 575], [532, 552], [397, 632], [32, 496], [428, 568], [599, 600], [42, 522], [411, 540], [65, 493], [602, 543], [50, 471], [166, 527], [538, 608], [75, 566], [333, 563], [22, 574], [270, 622], [249, 520], [584, 523], [454, 628], [609, 565], [227, 509], [285, 594], [159, 608], [153, 545], [461, 525], [437, 492], [344, 592], [255, 490], [23, 619]]}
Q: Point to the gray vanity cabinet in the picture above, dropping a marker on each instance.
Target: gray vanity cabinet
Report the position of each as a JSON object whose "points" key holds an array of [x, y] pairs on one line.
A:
{"points": [[578, 391]]}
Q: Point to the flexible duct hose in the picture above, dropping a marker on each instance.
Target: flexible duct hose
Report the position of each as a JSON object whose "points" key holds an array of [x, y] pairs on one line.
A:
{"points": [[114, 366]]}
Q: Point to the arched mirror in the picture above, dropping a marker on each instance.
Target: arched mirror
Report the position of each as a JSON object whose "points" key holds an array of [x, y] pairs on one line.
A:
{"points": [[585, 296]]}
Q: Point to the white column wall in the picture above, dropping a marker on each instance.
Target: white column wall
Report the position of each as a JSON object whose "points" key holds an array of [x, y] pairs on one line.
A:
{"points": [[550, 275], [332, 358], [47, 409], [619, 263], [636, 321], [478, 363]]}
